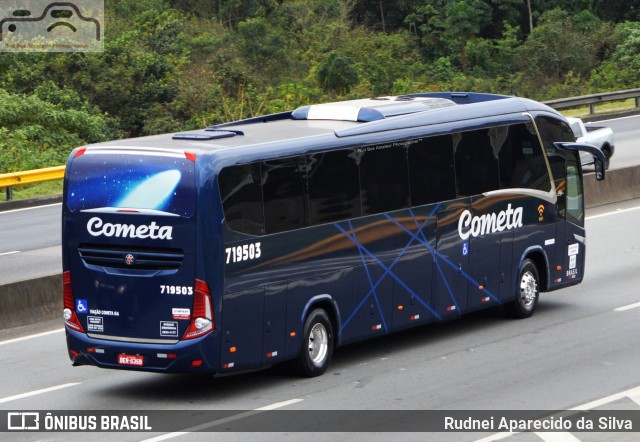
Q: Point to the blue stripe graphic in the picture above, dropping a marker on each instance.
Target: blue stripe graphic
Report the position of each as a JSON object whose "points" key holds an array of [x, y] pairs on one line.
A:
{"points": [[419, 237]]}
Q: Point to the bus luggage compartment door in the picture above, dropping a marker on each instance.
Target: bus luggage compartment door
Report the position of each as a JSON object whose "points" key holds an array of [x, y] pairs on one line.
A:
{"points": [[242, 329], [450, 265]]}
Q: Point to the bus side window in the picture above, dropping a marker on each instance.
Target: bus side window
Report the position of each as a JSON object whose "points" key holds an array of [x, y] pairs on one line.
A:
{"points": [[559, 172], [552, 130], [284, 192], [476, 164], [522, 163], [431, 170], [384, 179], [334, 186], [241, 192]]}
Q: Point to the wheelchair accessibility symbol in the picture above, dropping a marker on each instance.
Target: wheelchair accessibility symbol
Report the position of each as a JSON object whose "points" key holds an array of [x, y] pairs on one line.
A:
{"points": [[82, 306], [465, 248]]}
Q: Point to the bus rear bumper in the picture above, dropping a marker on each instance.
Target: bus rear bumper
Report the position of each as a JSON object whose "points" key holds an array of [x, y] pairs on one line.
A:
{"points": [[184, 357]]}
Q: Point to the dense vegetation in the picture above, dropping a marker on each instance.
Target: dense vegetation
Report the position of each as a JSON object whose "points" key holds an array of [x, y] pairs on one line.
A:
{"points": [[179, 64]]}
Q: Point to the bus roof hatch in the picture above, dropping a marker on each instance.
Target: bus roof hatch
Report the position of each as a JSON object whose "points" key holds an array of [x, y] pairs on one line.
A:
{"points": [[370, 109]]}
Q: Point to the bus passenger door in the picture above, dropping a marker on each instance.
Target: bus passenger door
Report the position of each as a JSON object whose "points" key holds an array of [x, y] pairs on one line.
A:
{"points": [[570, 253], [450, 264]]}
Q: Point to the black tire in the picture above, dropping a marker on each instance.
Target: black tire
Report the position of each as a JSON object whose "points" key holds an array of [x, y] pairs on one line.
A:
{"points": [[317, 345], [527, 292], [607, 156]]}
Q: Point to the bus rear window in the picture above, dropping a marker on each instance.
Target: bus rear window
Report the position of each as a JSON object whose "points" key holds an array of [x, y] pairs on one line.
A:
{"points": [[132, 181]]}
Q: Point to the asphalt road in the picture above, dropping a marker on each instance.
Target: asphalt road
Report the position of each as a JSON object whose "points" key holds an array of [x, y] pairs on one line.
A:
{"points": [[30, 243], [30, 238], [579, 347], [626, 136]]}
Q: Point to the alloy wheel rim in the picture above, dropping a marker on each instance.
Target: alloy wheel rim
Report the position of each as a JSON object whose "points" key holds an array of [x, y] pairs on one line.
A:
{"points": [[528, 290], [318, 344]]}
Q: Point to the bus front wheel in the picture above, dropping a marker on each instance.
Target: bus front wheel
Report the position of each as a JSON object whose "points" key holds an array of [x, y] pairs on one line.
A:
{"points": [[527, 292], [317, 345]]}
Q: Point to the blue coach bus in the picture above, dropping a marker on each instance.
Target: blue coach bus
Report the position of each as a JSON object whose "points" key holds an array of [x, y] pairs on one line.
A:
{"points": [[280, 237]]}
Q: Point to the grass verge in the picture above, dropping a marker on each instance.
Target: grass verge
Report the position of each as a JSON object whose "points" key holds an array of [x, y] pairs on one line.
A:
{"points": [[27, 191], [610, 107]]}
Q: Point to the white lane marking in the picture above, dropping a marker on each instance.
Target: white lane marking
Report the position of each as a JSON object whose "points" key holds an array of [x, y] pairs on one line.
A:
{"points": [[30, 208], [552, 436], [633, 394], [13, 252], [24, 338], [223, 420], [615, 212], [627, 307], [279, 405], [496, 436], [635, 397], [612, 119], [166, 436], [36, 392]]}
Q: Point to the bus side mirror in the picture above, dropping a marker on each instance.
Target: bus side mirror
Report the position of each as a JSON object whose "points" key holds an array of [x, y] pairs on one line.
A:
{"points": [[598, 155], [598, 163]]}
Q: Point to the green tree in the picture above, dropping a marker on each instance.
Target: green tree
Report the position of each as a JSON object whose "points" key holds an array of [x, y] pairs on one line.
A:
{"points": [[510, 12], [337, 74], [494, 58], [35, 133], [232, 12], [264, 50], [621, 69], [617, 10], [561, 44], [464, 20]]}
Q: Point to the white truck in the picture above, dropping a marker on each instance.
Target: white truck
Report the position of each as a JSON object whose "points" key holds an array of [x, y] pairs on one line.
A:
{"points": [[599, 136]]}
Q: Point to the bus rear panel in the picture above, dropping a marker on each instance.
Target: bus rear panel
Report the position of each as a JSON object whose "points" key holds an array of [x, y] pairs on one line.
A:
{"points": [[132, 296]]}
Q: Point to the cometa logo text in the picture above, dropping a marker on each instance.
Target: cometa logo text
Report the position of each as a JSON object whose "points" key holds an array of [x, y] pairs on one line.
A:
{"points": [[470, 225], [96, 227]]}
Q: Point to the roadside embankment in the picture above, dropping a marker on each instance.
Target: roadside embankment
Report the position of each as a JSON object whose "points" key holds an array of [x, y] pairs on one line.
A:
{"points": [[30, 301], [619, 185]]}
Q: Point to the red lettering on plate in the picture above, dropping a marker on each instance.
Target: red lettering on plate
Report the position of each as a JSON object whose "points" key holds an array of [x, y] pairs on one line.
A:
{"points": [[136, 360]]}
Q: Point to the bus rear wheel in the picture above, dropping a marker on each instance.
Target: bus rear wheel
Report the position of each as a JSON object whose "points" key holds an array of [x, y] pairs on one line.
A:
{"points": [[528, 292], [317, 345]]}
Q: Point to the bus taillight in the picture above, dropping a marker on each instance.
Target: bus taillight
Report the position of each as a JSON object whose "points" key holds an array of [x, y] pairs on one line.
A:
{"points": [[80, 152], [191, 156], [69, 312], [202, 321]]}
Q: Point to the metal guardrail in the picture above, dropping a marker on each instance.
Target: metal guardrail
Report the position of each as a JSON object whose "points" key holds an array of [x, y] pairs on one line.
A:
{"points": [[8, 180], [594, 99]]}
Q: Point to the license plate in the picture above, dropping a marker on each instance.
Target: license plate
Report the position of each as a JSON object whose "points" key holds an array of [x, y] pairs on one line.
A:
{"points": [[124, 359]]}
